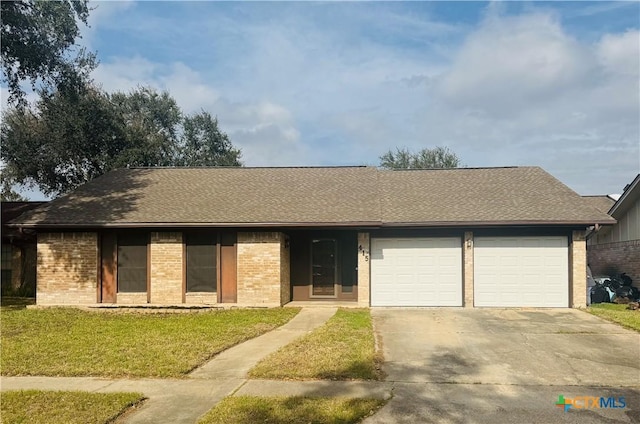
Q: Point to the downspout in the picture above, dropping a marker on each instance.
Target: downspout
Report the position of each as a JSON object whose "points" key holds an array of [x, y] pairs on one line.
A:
{"points": [[591, 231]]}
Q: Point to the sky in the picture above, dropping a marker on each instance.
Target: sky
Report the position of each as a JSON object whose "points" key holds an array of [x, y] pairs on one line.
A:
{"points": [[549, 84]]}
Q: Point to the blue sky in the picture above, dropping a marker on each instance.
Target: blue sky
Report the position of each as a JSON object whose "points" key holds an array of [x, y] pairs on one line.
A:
{"points": [[551, 84]]}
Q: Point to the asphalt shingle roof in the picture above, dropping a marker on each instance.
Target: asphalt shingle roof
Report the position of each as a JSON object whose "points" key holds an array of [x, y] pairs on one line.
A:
{"points": [[602, 203], [363, 196]]}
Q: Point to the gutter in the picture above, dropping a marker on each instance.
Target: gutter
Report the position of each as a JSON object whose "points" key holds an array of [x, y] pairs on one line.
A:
{"points": [[361, 224]]}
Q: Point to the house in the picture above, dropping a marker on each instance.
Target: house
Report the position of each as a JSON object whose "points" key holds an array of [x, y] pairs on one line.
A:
{"points": [[469, 237], [18, 252], [616, 249]]}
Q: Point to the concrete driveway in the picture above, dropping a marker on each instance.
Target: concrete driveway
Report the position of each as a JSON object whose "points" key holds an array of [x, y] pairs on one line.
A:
{"points": [[505, 365]]}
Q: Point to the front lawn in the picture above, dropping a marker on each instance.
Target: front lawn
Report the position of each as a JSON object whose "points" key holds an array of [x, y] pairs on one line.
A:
{"points": [[617, 313], [294, 410], [71, 342], [342, 349], [50, 407]]}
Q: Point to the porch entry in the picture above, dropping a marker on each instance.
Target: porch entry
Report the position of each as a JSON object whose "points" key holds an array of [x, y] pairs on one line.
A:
{"points": [[324, 265]]}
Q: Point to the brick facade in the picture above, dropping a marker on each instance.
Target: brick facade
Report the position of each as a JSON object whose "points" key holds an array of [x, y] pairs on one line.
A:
{"points": [[364, 270], [132, 298], [67, 271], [201, 298], [166, 268], [578, 270], [260, 268], [467, 271], [616, 258]]}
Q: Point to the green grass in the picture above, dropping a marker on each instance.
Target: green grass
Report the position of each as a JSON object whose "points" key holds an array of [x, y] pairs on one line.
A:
{"points": [[72, 342], [342, 349], [49, 407], [290, 410], [618, 314]]}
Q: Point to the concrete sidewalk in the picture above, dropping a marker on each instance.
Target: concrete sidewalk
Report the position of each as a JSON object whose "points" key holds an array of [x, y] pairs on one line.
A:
{"points": [[185, 400], [238, 360]]}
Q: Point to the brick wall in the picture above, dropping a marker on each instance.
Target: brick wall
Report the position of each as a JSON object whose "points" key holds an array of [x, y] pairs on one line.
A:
{"points": [[260, 268], [364, 270], [616, 258], [285, 270], [132, 298], [166, 268], [67, 271], [467, 272], [578, 269], [201, 298]]}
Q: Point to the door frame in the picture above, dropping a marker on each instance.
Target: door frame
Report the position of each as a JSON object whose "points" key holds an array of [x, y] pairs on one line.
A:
{"points": [[336, 286]]}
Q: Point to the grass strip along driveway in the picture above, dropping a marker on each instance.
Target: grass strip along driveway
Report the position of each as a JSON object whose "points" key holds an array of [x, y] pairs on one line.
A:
{"points": [[342, 349], [72, 342], [50, 407], [618, 314], [291, 410]]}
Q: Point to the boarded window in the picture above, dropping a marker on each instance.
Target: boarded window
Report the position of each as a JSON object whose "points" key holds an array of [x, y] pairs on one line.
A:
{"points": [[132, 262], [6, 256], [201, 263], [349, 269]]}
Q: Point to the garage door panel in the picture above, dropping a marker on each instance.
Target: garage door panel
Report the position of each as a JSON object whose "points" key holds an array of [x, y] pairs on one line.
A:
{"points": [[416, 272], [532, 271]]}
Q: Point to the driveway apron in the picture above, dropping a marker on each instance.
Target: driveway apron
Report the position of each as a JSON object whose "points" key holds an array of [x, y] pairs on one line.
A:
{"points": [[504, 365]]}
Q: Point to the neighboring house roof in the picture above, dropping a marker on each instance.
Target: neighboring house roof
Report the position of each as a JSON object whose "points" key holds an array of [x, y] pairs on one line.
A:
{"points": [[627, 199], [602, 203], [12, 210], [319, 196]]}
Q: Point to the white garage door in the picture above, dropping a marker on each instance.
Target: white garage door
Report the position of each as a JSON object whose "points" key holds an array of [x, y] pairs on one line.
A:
{"points": [[416, 272], [521, 271]]}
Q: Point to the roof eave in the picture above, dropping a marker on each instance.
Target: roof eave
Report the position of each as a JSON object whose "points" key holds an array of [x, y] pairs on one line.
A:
{"points": [[374, 224], [95, 225], [510, 223], [627, 194]]}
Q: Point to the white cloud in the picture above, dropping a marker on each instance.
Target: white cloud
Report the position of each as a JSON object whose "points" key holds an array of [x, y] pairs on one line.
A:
{"points": [[619, 54], [264, 130], [340, 84], [100, 14], [522, 91], [510, 63]]}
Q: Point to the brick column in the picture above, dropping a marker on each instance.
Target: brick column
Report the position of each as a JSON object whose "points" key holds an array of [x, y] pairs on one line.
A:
{"points": [[67, 272], [467, 272], [364, 270], [260, 268], [166, 268], [578, 270]]}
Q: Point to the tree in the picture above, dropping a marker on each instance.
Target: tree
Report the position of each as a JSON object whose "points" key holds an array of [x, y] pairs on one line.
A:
{"points": [[152, 122], [67, 139], [204, 144], [7, 193], [403, 158], [38, 45]]}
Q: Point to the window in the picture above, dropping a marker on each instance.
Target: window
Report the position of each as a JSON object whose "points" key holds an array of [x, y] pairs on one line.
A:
{"points": [[202, 269], [132, 262], [6, 256]]}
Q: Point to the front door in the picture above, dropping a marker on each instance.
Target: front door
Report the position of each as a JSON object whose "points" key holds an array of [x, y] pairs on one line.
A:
{"points": [[323, 267]]}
